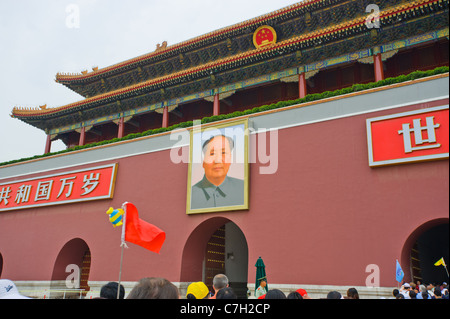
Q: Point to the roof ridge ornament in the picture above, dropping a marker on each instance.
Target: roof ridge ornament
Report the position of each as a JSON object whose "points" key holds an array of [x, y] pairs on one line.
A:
{"points": [[161, 47]]}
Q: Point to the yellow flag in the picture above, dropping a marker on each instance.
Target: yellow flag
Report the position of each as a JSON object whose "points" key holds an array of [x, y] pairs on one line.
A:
{"points": [[440, 262]]}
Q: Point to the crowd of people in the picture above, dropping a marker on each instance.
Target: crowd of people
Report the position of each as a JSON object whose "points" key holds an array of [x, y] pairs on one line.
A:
{"points": [[161, 288], [418, 290]]}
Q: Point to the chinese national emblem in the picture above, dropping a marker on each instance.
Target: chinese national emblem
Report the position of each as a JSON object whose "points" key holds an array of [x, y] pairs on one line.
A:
{"points": [[264, 36]]}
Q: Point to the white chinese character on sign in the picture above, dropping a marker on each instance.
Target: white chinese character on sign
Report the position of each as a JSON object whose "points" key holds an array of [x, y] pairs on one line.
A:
{"points": [[66, 182], [90, 183], [43, 191], [4, 195], [23, 194], [419, 139]]}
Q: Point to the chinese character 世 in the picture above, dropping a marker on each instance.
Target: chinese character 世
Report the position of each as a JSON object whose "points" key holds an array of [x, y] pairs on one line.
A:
{"points": [[418, 137]]}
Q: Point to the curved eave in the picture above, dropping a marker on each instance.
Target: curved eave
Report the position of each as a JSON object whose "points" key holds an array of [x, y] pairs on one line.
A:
{"points": [[355, 26], [69, 79]]}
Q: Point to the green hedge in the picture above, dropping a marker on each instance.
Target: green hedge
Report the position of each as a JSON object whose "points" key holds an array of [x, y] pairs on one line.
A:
{"points": [[310, 97]]}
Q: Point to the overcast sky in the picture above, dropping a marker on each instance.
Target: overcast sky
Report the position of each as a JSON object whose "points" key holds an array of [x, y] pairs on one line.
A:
{"points": [[41, 38]]}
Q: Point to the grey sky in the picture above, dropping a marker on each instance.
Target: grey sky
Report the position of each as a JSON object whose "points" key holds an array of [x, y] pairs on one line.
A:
{"points": [[41, 38]]}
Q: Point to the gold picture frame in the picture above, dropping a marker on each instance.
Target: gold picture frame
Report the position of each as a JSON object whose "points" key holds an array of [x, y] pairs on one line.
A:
{"points": [[218, 185]]}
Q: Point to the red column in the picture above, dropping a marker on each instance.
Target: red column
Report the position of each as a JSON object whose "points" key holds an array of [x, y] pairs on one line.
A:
{"points": [[121, 128], [302, 85], [165, 120], [378, 66], [48, 144], [82, 136], [216, 107]]}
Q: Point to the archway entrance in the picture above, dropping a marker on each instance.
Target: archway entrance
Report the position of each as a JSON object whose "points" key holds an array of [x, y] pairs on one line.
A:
{"points": [[71, 270], [216, 246], [431, 245]]}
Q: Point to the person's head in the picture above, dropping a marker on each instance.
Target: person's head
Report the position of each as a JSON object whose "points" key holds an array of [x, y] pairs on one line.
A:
{"points": [[303, 293], [154, 288], [334, 295], [412, 294], [352, 293], [109, 291], [395, 292], [263, 282], [275, 294], [400, 296], [437, 292], [217, 158], [220, 281], [226, 293], [294, 295], [197, 290]]}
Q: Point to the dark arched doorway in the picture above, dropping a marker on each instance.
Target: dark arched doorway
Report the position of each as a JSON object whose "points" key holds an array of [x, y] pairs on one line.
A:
{"points": [[431, 246], [425, 246], [71, 270], [216, 246]]}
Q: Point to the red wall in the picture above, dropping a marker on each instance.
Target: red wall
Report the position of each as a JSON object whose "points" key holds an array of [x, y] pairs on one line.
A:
{"points": [[321, 219]]}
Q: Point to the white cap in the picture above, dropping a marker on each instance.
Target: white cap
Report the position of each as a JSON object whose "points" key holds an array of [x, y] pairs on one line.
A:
{"points": [[8, 290]]}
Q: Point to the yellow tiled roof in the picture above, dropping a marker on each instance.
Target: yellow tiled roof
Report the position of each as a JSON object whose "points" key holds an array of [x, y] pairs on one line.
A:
{"points": [[106, 97]]}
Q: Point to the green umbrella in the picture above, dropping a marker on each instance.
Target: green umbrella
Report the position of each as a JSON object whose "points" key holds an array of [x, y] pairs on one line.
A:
{"points": [[260, 273]]}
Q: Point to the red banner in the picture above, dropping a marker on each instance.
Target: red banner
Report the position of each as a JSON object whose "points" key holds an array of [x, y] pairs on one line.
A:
{"points": [[68, 187], [419, 135]]}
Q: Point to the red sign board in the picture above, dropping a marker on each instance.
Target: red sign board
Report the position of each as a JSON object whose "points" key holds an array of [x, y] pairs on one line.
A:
{"points": [[419, 135], [63, 188]]}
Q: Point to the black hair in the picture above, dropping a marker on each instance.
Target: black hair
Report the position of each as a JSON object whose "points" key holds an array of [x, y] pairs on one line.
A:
{"points": [[294, 295], [230, 141], [275, 294], [109, 291], [334, 295], [226, 293]]}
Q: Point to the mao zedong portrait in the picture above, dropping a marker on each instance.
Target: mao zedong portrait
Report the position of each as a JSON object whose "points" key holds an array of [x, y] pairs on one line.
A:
{"points": [[217, 189]]}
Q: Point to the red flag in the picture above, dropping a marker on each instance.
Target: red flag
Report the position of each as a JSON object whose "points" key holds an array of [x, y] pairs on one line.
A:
{"points": [[140, 232]]}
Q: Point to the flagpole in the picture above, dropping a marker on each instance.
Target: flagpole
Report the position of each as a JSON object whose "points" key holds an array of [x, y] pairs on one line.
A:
{"points": [[445, 266], [123, 245], [120, 271], [441, 262]]}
